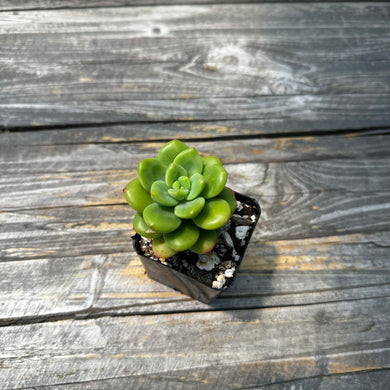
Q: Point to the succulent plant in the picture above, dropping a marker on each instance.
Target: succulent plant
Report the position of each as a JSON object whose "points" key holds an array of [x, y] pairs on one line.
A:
{"points": [[181, 200]]}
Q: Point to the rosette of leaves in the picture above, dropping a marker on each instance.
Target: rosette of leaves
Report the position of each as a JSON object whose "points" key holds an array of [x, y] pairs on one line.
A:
{"points": [[181, 200]]}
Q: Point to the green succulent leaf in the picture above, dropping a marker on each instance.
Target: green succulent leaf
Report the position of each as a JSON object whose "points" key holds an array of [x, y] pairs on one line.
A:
{"points": [[184, 182], [228, 195], [170, 150], [206, 241], [142, 228], [136, 196], [215, 214], [184, 237], [150, 170], [159, 193], [197, 184], [161, 218], [189, 209], [211, 160], [215, 177], [173, 172], [190, 160], [161, 249], [178, 193]]}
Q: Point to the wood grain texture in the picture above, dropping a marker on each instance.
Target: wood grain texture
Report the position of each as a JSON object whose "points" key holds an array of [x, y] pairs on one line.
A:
{"points": [[377, 379], [22, 154], [332, 190], [61, 232], [293, 96], [274, 273], [274, 345], [22, 5], [220, 62], [322, 186], [163, 132], [307, 111]]}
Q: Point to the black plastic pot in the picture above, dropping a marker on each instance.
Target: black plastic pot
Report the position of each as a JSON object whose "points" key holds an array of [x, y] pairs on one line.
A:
{"points": [[184, 283]]}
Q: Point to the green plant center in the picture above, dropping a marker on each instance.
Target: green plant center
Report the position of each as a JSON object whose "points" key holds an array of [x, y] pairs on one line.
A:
{"points": [[180, 188]]}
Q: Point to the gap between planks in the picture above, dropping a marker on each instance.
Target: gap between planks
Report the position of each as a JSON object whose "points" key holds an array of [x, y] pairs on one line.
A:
{"points": [[97, 135], [364, 131]]}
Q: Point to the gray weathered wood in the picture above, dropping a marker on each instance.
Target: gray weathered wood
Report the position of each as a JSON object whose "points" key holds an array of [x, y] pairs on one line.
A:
{"points": [[187, 131], [230, 349], [318, 196], [102, 88], [245, 61], [20, 5], [339, 111], [305, 180], [68, 177], [371, 379], [74, 231], [276, 63], [22, 154], [273, 273]]}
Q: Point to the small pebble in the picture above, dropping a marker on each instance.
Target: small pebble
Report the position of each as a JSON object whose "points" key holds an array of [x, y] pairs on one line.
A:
{"points": [[208, 261], [241, 232], [229, 273], [219, 282], [228, 239]]}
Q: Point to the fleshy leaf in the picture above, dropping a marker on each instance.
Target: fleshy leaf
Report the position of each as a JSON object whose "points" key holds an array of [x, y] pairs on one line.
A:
{"points": [[228, 195], [142, 228], [189, 209], [161, 218], [206, 241], [211, 160], [136, 196], [170, 150], [184, 237], [190, 160], [184, 182], [159, 193], [215, 177], [174, 171], [150, 170], [215, 214], [197, 184], [161, 248], [178, 193]]}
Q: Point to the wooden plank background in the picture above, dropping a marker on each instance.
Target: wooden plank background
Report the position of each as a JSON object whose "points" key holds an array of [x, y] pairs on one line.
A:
{"points": [[264, 62], [16, 5], [294, 98]]}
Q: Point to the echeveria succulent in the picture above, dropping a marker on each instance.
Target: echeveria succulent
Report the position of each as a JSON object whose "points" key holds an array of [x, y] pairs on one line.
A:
{"points": [[181, 200]]}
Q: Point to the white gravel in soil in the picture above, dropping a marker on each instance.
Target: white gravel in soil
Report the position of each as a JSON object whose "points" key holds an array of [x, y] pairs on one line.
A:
{"points": [[208, 261]]}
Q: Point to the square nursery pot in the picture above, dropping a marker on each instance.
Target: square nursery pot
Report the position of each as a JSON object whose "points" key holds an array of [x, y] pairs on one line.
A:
{"points": [[182, 272]]}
